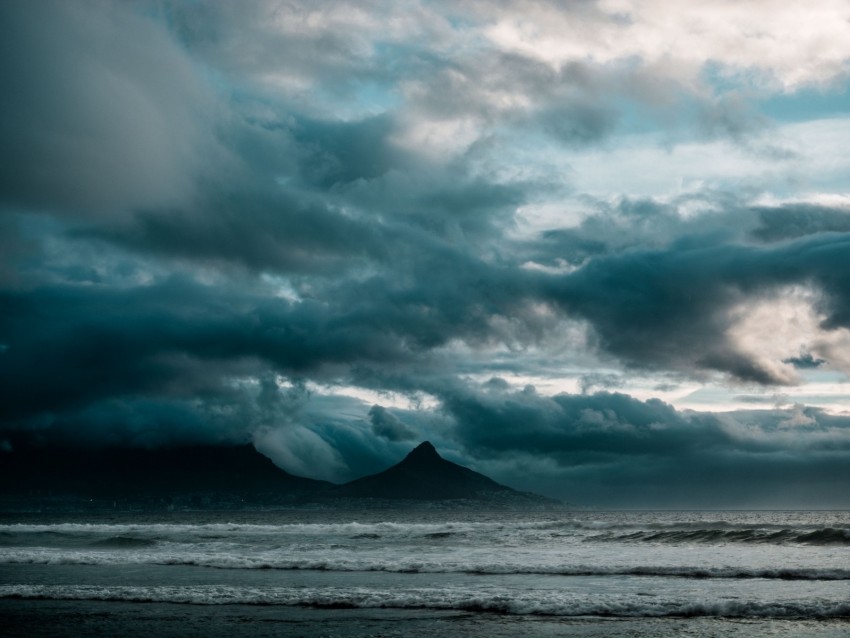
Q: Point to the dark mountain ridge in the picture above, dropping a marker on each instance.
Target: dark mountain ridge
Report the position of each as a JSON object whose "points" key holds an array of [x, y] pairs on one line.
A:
{"points": [[188, 476], [228, 477], [424, 475]]}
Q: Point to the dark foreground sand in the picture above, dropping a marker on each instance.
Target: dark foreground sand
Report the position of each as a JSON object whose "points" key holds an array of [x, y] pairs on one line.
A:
{"points": [[37, 618]]}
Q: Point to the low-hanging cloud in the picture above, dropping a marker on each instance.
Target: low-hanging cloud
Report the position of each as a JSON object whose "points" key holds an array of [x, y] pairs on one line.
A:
{"points": [[611, 448], [388, 425]]}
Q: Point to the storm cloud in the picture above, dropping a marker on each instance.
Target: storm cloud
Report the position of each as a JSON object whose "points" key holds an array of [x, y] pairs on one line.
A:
{"points": [[562, 242], [610, 448]]}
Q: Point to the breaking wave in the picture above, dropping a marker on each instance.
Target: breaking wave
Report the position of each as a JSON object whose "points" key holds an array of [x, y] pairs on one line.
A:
{"points": [[574, 529], [538, 603], [219, 560], [785, 536]]}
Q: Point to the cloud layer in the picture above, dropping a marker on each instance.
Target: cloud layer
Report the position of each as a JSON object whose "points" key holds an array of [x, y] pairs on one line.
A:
{"points": [[335, 229]]}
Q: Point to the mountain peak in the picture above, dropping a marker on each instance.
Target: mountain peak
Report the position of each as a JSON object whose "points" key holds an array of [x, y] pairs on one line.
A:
{"points": [[425, 451], [423, 475]]}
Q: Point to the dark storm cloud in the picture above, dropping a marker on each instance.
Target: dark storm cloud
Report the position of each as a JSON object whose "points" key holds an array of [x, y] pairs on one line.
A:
{"points": [[148, 341], [577, 429], [665, 308], [130, 126], [791, 221], [269, 230], [14, 247], [208, 207], [311, 196], [588, 382], [612, 449], [448, 203], [290, 178], [343, 152], [805, 361], [669, 308], [389, 426], [628, 222], [179, 335], [418, 54], [659, 288], [101, 111]]}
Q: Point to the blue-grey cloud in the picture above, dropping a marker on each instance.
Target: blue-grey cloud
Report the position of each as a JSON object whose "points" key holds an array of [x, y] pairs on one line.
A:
{"points": [[207, 209], [610, 448], [669, 307], [388, 425], [102, 110], [798, 220]]}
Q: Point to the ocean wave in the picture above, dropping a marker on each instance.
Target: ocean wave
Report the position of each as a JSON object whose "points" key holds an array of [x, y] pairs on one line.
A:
{"points": [[218, 560], [490, 534], [300, 528], [783, 536], [519, 603], [426, 529], [189, 533], [123, 542]]}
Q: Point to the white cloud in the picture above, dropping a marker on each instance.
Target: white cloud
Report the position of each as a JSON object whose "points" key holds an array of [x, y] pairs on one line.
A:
{"points": [[791, 44], [775, 329], [646, 166]]}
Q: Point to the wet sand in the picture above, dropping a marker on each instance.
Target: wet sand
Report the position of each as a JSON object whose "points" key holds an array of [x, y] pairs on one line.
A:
{"points": [[50, 618]]}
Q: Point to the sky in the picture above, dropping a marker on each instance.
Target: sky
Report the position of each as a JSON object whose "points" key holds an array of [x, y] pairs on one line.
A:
{"points": [[597, 249]]}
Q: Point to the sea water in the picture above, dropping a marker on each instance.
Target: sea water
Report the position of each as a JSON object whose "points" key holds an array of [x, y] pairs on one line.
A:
{"points": [[434, 572]]}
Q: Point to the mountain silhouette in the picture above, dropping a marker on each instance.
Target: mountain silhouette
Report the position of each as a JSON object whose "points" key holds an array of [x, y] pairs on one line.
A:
{"points": [[426, 476], [211, 475], [229, 477]]}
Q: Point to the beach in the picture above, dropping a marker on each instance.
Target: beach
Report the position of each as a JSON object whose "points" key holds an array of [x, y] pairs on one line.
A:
{"points": [[386, 573]]}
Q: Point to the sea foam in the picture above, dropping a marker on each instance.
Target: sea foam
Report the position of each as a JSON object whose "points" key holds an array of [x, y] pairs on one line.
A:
{"points": [[538, 603]]}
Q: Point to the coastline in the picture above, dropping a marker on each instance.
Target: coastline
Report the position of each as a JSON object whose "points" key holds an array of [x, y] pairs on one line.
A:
{"points": [[54, 619]]}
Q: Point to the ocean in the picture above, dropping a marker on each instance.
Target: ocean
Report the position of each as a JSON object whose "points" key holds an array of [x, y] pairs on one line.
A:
{"points": [[426, 573]]}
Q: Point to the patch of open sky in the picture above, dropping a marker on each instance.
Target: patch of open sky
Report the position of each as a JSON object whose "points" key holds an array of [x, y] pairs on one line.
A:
{"points": [[830, 394], [803, 104], [281, 287], [355, 397], [639, 117], [690, 166], [361, 100], [634, 118], [725, 79], [807, 104]]}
